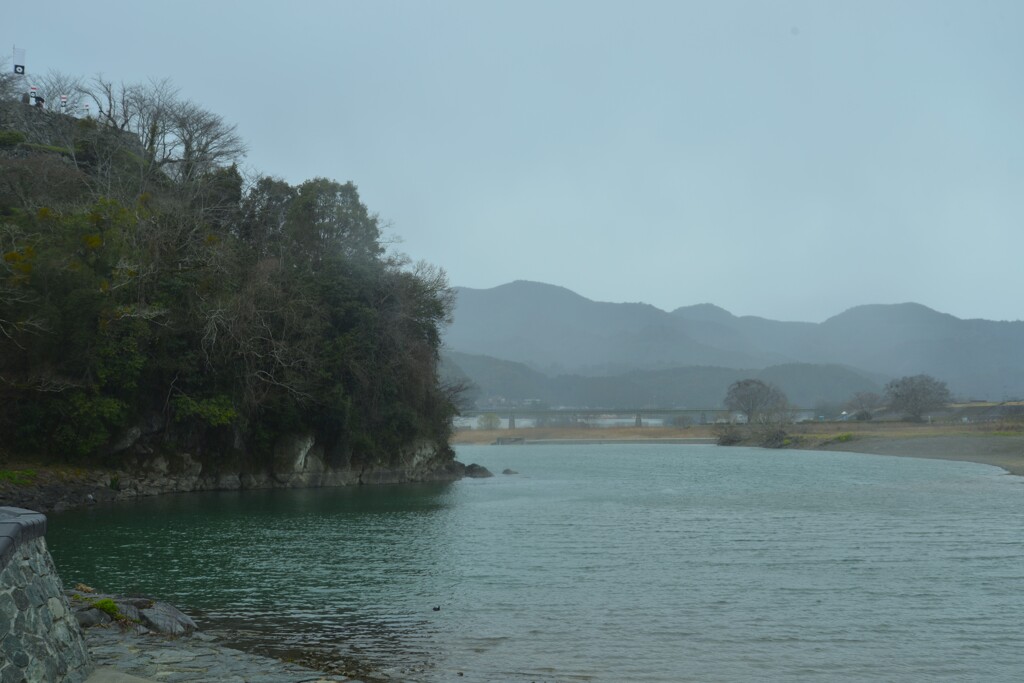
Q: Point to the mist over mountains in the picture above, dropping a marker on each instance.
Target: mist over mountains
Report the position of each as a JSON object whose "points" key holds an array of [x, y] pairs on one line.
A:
{"points": [[534, 340]]}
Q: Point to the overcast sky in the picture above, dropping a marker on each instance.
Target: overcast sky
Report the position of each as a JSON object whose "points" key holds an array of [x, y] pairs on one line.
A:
{"points": [[784, 159]]}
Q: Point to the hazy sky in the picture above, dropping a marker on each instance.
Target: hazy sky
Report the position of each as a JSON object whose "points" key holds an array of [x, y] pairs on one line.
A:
{"points": [[784, 159]]}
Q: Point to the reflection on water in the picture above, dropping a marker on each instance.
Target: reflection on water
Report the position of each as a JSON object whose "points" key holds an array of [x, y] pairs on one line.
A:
{"points": [[283, 570], [631, 562]]}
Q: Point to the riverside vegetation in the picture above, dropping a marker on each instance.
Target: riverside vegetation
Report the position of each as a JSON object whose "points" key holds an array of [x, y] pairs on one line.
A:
{"points": [[153, 300]]}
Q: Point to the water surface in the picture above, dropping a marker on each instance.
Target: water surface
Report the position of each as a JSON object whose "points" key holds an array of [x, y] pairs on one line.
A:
{"points": [[601, 563]]}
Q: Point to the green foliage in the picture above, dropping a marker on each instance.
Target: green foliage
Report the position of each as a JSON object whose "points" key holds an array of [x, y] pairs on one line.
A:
{"points": [[131, 296], [843, 438], [215, 412], [18, 477], [326, 220], [109, 606], [46, 148], [88, 423], [10, 138]]}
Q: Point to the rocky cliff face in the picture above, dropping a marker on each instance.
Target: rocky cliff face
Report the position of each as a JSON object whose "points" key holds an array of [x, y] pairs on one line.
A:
{"points": [[298, 462]]}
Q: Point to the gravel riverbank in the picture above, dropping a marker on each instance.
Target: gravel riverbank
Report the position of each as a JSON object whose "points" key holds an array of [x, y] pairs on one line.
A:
{"points": [[1006, 452]]}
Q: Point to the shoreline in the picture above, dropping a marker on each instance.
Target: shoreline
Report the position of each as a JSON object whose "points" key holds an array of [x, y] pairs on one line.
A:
{"points": [[55, 488], [996, 445], [695, 441], [152, 657], [1004, 452]]}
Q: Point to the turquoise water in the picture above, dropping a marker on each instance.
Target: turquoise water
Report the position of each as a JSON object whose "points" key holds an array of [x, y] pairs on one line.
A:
{"points": [[601, 563]]}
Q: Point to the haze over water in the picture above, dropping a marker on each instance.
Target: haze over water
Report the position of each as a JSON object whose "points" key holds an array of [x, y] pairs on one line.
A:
{"points": [[601, 563]]}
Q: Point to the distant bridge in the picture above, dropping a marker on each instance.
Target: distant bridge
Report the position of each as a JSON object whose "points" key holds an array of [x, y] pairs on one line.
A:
{"points": [[585, 415]]}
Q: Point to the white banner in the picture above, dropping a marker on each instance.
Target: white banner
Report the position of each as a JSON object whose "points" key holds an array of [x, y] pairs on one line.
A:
{"points": [[19, 60]]}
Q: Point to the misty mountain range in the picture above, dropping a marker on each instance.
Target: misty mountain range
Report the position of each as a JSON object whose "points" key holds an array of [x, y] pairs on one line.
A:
{"points": [[533, 340]]}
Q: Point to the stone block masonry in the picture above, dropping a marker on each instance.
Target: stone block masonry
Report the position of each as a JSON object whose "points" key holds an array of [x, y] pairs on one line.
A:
{"points": [[40, 639]]}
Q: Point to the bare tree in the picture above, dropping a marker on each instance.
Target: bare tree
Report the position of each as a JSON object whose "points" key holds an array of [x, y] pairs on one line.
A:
{"points": [[172, 137], [112, 103], [55, 84], [759, 401], [198, 142], [140, 108], [914, 396]]}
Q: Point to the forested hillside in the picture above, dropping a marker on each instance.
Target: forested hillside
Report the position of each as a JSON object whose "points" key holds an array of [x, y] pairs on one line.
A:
{"points": [[151, 297], [692, 387], [557, 332]]}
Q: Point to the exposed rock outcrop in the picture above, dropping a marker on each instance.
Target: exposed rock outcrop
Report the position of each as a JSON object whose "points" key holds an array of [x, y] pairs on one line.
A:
{"points": [[298, 462], [477, 471], [139, 614]]}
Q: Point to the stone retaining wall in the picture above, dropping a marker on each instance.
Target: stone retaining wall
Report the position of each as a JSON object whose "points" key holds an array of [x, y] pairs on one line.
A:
{"points": [[40, 639]]}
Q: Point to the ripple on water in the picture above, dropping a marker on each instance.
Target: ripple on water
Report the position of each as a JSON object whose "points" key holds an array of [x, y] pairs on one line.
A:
{"points": [[633, 562]]}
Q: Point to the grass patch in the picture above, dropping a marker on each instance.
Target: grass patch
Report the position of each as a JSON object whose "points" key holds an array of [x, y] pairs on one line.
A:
{"points": [[10, 138], [109, 606], [45, 148], [18, 477]]}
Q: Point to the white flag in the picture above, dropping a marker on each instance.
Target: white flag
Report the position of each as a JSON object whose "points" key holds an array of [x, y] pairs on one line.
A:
{"points": [[19, 61]]}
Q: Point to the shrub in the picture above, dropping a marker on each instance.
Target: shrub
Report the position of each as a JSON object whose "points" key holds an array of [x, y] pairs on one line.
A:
{"points": [[775, 438], [18, 477], [727, 434], [216, 412], [10, 138]]}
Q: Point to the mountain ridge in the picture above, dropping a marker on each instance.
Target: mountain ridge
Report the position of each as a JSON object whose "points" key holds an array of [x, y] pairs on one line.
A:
{"points": [[555, 331]]}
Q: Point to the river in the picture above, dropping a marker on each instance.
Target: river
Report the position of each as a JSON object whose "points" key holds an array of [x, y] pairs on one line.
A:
{"points": [[600, 563]]}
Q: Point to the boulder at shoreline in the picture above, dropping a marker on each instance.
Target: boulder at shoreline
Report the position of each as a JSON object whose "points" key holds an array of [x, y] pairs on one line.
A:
{"points": [[475, 471]]}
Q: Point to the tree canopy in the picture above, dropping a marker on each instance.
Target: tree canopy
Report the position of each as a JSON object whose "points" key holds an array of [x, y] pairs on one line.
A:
{"points": [[914, 396], [147, 286], [758, 401]]}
